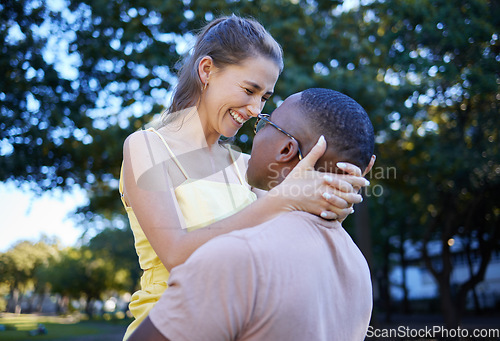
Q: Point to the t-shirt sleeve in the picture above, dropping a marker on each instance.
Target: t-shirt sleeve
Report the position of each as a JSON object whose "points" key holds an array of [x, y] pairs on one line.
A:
{"points": [[211, 295]]}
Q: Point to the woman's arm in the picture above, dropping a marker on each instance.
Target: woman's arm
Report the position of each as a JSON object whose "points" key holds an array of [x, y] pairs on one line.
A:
{"points": [[149, 191], [339, 188]]}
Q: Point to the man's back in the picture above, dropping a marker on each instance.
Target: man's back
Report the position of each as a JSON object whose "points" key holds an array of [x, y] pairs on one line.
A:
{"points": [[296, 277]]}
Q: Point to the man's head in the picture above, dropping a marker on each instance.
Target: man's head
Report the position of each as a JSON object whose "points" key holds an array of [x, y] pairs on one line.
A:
{"points": [[306, 116]]}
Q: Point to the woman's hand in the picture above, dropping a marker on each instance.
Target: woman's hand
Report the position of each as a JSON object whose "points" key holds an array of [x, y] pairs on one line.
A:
{"points": [[328, 195]]}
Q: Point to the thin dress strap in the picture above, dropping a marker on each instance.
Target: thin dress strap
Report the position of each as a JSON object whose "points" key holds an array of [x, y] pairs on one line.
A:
{"points": [[120, 187], [170, 152], [236, 166]]}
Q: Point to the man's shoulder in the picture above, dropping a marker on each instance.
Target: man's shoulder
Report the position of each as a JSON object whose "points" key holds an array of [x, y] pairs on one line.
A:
{"points": [[285, 223], [240, 245], [222, 250], [299, 219], [248, 243]]}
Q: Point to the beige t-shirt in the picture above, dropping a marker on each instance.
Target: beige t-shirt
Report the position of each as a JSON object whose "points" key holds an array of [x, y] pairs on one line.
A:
{"points": [[296, 277]]}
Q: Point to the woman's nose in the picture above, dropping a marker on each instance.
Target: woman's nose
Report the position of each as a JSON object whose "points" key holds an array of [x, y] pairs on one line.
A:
{"points": [[255, 108]]}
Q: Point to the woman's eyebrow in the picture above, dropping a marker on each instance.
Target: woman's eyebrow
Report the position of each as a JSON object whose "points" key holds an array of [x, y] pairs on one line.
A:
{"points": [[257, 87]]}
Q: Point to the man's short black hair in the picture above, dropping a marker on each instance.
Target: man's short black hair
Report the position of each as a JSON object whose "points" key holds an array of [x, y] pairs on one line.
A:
{"points": [[344, 123]]}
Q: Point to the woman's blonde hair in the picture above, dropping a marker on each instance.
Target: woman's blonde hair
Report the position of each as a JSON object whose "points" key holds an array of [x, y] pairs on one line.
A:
{"points": [[228, 41]]}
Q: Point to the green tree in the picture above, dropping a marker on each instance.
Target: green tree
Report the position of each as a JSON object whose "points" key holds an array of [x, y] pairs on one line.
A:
{"points": [[117, 246], [80, 273], [37, 104], [19, 265], [442, 59]]}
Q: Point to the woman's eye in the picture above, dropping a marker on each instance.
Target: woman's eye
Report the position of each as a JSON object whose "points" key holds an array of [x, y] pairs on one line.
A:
{"points": [[265, 99], [248, 91]]}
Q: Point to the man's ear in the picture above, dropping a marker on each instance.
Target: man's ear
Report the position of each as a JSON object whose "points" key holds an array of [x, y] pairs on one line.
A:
{"points": [[204, 67], [288, 151], [370, 165]]}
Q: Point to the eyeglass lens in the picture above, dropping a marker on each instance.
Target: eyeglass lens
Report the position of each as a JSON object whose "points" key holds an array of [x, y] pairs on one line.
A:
{"points": [[260, 124]]}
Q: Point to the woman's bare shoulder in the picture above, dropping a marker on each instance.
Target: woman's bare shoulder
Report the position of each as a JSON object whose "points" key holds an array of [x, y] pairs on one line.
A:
{"points": [[147, 138], [141, 137], [144, 143]]}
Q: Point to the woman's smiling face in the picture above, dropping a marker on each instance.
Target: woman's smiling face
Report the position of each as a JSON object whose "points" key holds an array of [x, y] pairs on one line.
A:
{"points": [[236, 93]]}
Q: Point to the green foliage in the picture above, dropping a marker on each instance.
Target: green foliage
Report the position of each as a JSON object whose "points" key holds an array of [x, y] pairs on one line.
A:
{"points": [[445, 133], [19, 264], [4, 292], [37, 105], [107, 265], [117, 247], [442, 129], [81, 273]]}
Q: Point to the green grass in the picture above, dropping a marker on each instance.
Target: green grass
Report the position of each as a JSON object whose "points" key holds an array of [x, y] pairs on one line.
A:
{"points": [[18, 327]]}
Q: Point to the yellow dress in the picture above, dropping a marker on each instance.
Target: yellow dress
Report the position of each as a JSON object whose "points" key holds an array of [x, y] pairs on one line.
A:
{"points": [[202, 202]]}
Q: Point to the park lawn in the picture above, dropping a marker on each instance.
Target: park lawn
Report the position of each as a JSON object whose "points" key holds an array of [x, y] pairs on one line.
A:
{"points": [[18, 327]]}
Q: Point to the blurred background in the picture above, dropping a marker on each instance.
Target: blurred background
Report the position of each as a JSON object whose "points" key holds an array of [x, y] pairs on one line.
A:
{"points": [[77, 77]]}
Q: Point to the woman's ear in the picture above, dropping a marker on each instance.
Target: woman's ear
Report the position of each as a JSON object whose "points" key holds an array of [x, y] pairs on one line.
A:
{"points": [[204, 68], [289, 151]]}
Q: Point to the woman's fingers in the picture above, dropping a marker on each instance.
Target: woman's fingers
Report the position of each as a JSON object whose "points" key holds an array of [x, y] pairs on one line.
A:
{"points": [[349, 168], [336, 213], [342, 199], [328, 215], [356, 179], [335, 200], [312, 157], [351, 198], [357, 182], [345, 183], [332, 194], [338, 183]]}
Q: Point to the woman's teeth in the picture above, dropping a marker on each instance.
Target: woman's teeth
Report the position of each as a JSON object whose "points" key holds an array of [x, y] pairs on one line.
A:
{"points": [[237, 117]]}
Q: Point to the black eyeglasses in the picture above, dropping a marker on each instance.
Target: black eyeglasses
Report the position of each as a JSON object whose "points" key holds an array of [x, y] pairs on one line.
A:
{"points": [[263, 119]]}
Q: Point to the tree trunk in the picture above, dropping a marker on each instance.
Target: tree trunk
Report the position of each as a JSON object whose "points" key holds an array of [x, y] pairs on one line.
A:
{"points": [[62, 304], [485, 250], [363, 231], [88, 307], [406, 305], [470, 265], [31, 301], [385, 290], [13, 305], [39, 306], [448, 304]]}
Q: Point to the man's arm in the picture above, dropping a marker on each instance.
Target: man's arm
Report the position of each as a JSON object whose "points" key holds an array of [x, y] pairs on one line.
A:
{"points": [[147, 332]]}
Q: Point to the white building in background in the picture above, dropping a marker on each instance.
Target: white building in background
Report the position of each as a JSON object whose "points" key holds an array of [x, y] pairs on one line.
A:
{"points": [[421, 284]]}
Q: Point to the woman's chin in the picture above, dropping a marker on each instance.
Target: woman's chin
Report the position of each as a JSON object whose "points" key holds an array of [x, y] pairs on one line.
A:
{"points": [[229, 132]]}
